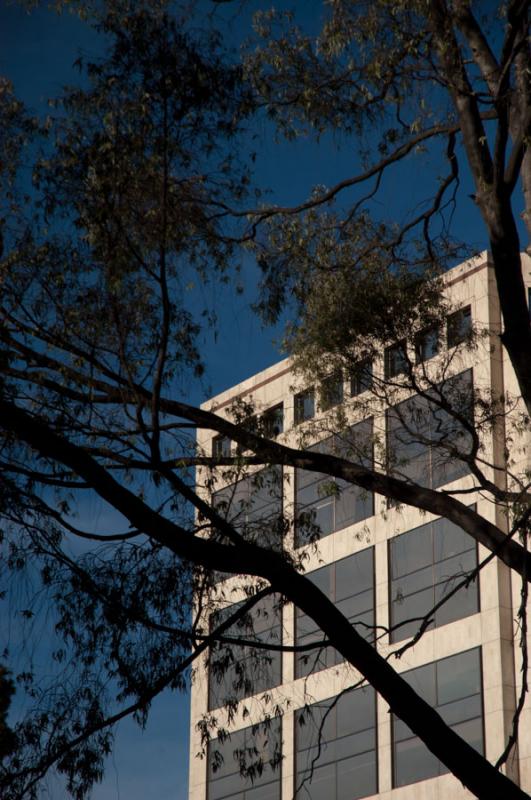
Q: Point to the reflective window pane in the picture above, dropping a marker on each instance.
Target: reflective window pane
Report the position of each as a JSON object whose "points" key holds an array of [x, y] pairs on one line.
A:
{"points": [[413, 762], [426, 565], [395, 362], [256, 753], [459, 326], [346, 766], [331, 392], [254, 506], [458, 676], [304, 406], [356, 777], [325, 504], [235, 671], [273, 421], [349, 583], [453, 686], [422, 437], [361, 377], [427, 344], [221, 446]]}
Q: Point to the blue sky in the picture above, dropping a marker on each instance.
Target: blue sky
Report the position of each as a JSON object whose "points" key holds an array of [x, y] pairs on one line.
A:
{"points": [[37, 51]]}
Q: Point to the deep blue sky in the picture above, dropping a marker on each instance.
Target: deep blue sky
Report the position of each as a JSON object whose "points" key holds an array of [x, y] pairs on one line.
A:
{"points": [[37, 52]]}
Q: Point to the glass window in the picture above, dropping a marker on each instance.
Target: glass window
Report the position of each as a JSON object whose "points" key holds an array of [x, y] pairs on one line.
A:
{"points": [[237, 671], [422, 438], [349, 583], [459, 326], [325, 504], [427, 344], [331, 393], [395, 362], [221, 447], [304, 406], [254, 506], [246, 765], [335, 748], [361, 377], [424, 565], [273, 421], [453, 686]]}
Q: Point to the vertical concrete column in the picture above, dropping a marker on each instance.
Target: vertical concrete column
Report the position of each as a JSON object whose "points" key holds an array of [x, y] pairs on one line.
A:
{"points": [[198, 707], [383, 717], [288, 761]]}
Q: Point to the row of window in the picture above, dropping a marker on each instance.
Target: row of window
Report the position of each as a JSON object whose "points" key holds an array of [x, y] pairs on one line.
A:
{"points": [[425, 565], [336, 740], [425, 444], [427, 344], [270, 424]]}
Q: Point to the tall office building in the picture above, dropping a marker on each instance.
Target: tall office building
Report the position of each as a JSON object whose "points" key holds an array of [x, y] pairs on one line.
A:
{"points": [[384, 565]]}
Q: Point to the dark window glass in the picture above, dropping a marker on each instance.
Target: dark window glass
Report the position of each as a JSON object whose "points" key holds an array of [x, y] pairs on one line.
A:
{"points": [[236, 672], [221, 447], [325, 504], [424, 565], [273, 421], [304, 406], [459, 326], [256, 752], [331, 393], [254, 506], [396, 359], [345, 765], [361, 377], [349, 583], [423, 439], [453, 686], [427, 344]]}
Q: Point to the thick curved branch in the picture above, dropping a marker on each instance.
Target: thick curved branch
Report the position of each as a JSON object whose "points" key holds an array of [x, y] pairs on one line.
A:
{"points": [[465, 762], [272, 452]]}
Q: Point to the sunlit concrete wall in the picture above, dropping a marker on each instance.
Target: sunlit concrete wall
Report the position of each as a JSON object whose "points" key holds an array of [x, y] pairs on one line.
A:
{"points": [[493, 628]]}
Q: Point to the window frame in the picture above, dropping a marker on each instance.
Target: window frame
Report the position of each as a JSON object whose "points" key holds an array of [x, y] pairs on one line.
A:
{"points": [[230, 517], [456, 334], [247, 792], [396, 361], [269, 421], [435, 467], [277, 618], [441, 770], [298, 751], [331, 393], [358, 384], [299, 403], [329, 652], [419, 340], [342, 488], [222, 444], [394, 639]]}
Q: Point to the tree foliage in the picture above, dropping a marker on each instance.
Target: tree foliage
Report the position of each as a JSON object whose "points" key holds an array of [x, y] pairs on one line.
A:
{"points": [[139, 199]]}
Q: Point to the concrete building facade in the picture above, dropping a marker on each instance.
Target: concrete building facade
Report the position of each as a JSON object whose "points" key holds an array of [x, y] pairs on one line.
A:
{"points": [[386, 566]]}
